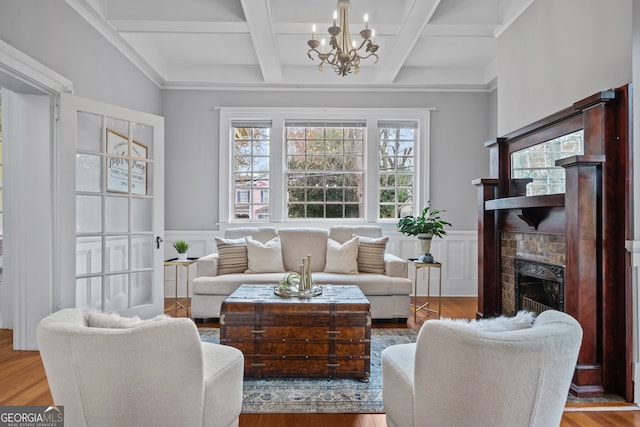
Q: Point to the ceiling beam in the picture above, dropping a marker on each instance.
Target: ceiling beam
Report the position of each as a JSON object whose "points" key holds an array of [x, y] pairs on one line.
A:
{"points": [[259, 21], [394, 57], [196, 27]]}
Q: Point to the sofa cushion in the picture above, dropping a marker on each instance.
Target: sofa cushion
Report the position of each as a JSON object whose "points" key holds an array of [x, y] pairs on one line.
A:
{"points": [[261, 234], [371, 254], [342, 233], [225, 285], [342, 258], [369, 283], [264, 257], [232, 255], [300, 242]]}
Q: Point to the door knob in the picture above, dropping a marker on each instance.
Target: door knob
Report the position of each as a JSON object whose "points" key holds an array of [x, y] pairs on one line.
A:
{"points": [[158, 241]]}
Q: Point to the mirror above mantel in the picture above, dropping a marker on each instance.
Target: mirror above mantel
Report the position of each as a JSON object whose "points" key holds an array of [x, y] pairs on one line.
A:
{"points": [[534, 171]]}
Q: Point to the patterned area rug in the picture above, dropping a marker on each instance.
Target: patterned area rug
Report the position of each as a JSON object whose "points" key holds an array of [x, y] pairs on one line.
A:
{"points": [[320, 395]]}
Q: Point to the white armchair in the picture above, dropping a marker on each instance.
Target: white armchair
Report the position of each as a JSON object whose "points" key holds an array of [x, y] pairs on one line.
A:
{"points": [[157, 373], [458, 375]]}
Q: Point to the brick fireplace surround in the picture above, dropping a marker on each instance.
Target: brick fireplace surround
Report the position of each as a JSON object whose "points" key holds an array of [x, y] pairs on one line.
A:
{"points": [[584, 230]]}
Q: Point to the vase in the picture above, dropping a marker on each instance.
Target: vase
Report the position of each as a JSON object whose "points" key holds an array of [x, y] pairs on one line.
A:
{"points": [[182, 257], [425, 246]]}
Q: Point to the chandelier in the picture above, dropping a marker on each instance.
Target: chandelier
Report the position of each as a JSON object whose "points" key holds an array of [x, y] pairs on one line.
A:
{"points": [[344, 55]]}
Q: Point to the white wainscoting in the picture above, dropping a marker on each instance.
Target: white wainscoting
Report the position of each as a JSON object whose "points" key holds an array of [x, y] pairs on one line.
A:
{"points": [[457, 251]]}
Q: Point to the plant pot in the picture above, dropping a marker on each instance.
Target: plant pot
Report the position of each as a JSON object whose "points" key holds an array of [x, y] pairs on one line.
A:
{"points": [[425, 243], [182, 257]]}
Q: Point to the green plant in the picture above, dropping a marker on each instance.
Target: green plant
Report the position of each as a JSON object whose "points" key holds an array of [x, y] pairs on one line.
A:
{"points": [[181, 246], [428, 222]]}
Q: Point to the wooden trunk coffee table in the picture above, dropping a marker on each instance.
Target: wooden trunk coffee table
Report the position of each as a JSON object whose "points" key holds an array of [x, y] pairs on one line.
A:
{"points": [[324, 336]]}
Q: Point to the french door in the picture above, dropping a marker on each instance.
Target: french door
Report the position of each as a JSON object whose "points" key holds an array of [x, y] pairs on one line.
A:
{"points": [[111, 212]]}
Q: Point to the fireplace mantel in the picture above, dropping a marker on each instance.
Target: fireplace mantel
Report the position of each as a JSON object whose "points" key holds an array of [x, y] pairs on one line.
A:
{"points": [[593, 216]]}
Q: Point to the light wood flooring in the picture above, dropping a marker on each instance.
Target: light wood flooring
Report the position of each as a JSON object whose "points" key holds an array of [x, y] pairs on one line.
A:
{"points": [[23, 382]]}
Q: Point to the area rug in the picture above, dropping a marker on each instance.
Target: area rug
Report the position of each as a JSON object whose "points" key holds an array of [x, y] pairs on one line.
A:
{"points": [[320, 395]]}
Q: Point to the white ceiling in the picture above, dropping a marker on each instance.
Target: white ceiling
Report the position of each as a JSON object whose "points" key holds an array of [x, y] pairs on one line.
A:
{"points": [[424, 44]]}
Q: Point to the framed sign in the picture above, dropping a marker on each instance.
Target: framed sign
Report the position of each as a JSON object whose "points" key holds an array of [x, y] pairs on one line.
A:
{"points": [[124, 167]]}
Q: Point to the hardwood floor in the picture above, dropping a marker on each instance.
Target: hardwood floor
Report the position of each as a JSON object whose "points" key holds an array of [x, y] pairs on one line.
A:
{"points": [[23, 382]]}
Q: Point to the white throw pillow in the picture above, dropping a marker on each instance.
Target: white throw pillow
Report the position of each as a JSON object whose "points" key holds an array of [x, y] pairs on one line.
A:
{"points": [[264, 257], [98, 319], [342, 258], [522, 320]]}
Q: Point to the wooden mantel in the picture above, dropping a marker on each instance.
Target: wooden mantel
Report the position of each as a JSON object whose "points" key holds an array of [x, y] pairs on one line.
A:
{"points": [[593, 216]]}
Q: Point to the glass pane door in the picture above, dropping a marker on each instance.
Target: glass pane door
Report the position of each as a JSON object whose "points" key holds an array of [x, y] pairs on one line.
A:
{"points": [[114, 237], [111, 213]]}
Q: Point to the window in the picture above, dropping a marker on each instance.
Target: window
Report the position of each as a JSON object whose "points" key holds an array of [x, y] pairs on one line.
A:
{"points": [[396, 168], [251, 169], [362, 165], [324, 170], [242, 196]]}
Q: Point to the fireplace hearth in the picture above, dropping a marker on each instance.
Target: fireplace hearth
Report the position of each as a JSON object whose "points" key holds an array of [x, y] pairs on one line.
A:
{"points": [[538, 286]]}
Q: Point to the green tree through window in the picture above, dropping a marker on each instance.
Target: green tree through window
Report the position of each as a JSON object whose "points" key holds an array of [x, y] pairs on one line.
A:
{"points": [[325, 169], [396, 168]]}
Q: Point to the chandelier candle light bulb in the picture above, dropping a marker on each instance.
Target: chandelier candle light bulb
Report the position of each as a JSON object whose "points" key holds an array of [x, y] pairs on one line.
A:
{"points": [[344, 55]]}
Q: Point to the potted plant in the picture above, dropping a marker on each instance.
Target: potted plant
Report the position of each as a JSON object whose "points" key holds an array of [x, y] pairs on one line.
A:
{"points": [[181, 247], [425, 226]]}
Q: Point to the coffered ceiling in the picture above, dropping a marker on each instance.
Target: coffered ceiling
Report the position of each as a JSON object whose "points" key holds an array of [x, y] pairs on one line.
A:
{"points": [[424, 44]]}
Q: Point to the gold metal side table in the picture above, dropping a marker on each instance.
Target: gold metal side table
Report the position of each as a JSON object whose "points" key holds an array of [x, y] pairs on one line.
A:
{"points": [[186, 264], [426, 306]]}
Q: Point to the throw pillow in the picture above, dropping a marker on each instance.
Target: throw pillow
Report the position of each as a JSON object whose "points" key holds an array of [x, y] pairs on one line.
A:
{"points": [[522, 320], [371, 254], [342, 258], [264, 257], [98, 319], [232, 255]]}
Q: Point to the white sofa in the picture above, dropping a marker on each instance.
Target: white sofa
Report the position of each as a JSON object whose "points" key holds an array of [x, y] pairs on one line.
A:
{"points": [[466, 375], [388, 290], [126, 372]]}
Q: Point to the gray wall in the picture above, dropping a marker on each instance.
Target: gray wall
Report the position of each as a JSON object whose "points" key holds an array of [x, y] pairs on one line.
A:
{"points": [[558, 52], [54, 34], [459, 127]]}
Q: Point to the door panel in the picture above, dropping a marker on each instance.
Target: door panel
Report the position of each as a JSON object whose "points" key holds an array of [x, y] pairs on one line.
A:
{"points": [[118, 194]]}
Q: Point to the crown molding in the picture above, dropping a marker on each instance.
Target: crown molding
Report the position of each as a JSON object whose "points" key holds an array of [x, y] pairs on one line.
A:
{"points": [[319, 88], [112, 36]]}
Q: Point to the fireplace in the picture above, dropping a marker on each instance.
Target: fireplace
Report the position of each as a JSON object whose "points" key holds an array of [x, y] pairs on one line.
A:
{"points": [[538, 286], [594, 220]]}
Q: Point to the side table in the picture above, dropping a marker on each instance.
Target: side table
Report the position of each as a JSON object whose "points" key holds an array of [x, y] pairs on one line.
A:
{"points": [[186, 264], [426, 306]]}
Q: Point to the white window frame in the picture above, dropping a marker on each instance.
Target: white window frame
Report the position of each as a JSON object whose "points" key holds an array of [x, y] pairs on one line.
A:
{"points": [[277, 161]]}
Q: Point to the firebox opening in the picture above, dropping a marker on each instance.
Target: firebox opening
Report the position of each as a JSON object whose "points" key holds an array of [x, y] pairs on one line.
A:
{"points": [[539, 286]]}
